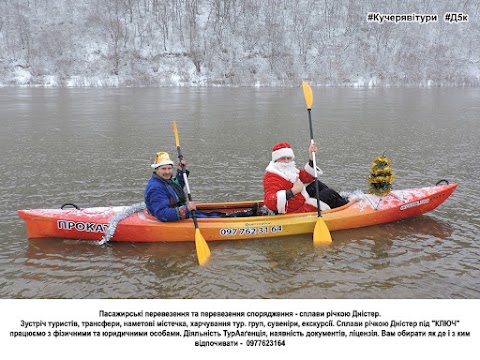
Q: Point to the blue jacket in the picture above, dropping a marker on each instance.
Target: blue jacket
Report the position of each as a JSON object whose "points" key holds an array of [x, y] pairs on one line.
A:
{"points": [[163, 202]]}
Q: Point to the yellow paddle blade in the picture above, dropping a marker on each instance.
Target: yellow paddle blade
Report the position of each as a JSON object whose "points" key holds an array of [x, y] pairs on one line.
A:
{"points": [[203, 252], [307, 92], [177, 141], [321, 234]]}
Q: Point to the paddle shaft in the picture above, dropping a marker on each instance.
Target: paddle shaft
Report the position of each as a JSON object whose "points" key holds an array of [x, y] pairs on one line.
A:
{"points": [[315, 174], [203, 252], [321, 234], [185, 179]]}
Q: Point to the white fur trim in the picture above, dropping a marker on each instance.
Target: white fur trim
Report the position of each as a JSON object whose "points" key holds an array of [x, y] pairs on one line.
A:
{"points": [[309, 169], [305, 194], [281, 201], [167, 162], [313, 202], [283, 152]]}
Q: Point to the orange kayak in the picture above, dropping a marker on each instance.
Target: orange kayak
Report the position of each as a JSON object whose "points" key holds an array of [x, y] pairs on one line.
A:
{"points": [[362, 210]]}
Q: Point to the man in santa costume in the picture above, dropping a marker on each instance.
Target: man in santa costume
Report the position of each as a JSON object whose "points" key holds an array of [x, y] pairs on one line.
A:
{"points": [[289, 190]]}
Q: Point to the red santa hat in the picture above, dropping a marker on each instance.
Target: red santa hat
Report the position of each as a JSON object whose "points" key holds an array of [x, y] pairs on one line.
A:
{"points": [[282, 149]]}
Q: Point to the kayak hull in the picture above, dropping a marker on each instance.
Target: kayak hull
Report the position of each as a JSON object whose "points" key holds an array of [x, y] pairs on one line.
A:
{"points": [[366, 210]]}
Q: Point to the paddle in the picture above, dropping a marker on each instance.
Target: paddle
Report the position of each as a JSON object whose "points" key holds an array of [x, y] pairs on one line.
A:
{"points": [[321, 234], [203, 252]]}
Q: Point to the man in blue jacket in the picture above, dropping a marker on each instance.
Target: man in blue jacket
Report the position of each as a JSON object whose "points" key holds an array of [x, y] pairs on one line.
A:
{"points": [[164, 195], [166, 200]]}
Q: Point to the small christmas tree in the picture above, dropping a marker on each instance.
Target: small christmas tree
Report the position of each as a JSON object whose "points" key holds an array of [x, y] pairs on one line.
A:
{"points": [[381, 176]]}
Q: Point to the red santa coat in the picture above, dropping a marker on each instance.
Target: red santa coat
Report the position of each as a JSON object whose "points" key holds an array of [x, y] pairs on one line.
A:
{"points": [[275, 186]]}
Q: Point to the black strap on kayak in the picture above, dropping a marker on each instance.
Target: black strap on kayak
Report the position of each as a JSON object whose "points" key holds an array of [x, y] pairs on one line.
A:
{"points": [[69, 204], [439, 182]]}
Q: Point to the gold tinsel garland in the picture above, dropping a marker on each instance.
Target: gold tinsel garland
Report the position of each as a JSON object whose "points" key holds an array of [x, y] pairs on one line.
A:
{"points": [[381, 176]]}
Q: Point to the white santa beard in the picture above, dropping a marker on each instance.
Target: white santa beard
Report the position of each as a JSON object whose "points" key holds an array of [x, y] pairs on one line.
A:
{"points": [[288, 170]]}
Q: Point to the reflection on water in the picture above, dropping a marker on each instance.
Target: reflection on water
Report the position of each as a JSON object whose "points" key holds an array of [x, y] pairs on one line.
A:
{"points": [[273, 268], [93, 147]]}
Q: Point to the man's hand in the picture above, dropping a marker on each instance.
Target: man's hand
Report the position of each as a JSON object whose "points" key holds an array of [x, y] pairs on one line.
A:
{"points": [[312, 149], [297, 187], [180, 163], [191, 205]]}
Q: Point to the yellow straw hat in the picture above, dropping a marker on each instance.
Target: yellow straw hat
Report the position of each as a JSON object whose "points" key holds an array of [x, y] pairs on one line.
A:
{"points": [[161, 158]]}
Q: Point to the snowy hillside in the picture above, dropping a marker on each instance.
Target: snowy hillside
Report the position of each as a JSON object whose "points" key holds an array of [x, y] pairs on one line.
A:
{"points": [[239, 42]]}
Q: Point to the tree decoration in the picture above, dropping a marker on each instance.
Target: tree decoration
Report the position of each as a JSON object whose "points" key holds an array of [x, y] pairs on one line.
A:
{"points": [[381, 176]]}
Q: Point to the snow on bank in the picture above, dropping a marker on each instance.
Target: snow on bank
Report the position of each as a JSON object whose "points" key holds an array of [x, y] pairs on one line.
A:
{"points": [[23, 78]]}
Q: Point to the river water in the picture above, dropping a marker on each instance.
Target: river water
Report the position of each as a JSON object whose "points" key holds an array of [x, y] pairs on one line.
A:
{"points": [[93, 147]]}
